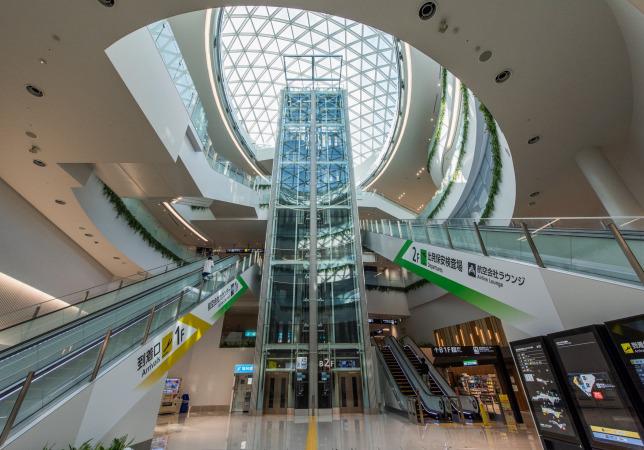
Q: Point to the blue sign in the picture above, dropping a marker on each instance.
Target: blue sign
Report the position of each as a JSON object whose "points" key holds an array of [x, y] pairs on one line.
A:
{"points": [[243, 368], [250, 333]]}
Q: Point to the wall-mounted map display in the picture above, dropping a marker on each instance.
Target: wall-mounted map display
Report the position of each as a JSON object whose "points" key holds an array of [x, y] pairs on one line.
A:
{"points": [[609, 419], [549, 408], [628, 336]]}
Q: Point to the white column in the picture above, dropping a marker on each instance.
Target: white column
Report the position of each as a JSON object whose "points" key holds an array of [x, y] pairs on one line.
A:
{"points": [[607, 184]]}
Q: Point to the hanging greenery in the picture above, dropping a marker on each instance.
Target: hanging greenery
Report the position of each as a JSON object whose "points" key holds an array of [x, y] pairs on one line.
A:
{"points": [[135, 225], [459, 163], [441, 115], [497, 163]]}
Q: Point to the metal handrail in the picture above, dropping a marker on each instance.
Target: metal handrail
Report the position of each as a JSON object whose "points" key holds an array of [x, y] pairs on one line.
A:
{"points": [[120, 282], [23, 385]]}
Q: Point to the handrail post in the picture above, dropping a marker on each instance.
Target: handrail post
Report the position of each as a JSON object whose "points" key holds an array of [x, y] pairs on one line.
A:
{"points": [[37, 310], [449, 237], [626, 249], [420, 408], [180, 302], [8, 425], [480, 238], [533, 247], [148, 326], [101, 354]]}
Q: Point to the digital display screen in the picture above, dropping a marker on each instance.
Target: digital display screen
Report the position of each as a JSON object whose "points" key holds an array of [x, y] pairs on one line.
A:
{"points": [[172, 386], [607, 417], [550, 410], [628, 335]]}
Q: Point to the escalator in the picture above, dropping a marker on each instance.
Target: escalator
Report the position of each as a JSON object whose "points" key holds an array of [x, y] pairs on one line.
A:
{"points": [[465, 404], [415, 361], [83, 343], [421, 412], [428, 407]]}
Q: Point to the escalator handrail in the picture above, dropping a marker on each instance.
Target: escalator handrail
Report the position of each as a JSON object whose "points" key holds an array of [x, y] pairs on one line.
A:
{"points": [[445, 388], [97, 341], [187, 263], [442, 384], [400, 397], [421, 389], [35, 340]]}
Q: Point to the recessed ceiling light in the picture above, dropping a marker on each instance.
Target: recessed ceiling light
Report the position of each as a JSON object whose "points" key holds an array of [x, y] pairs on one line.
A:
{"points": [[89, 235], [503, 76], [34, 90], [31, 134], [532, 203], [39, 162], [534, 140], [107, 3], [427, 10], [55, 37], [81, 228], [116, 257], [485, 56], [535, 194], [95, 242], [42, 61], [34, 149], [60, 202]]}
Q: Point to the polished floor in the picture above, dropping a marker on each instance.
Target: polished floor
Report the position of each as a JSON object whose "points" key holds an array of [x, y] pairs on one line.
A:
{"points": [[351, 432]]}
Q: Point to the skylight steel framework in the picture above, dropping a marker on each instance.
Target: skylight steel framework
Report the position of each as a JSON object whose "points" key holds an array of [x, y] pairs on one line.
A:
{"points": [[251, 43]]}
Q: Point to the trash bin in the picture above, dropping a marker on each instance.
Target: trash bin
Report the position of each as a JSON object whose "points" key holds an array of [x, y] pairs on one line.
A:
{"points": [[185, 403]]}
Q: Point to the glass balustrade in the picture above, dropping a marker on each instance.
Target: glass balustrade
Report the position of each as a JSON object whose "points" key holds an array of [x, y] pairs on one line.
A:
{"points": [[581, 245], [58, 371]]}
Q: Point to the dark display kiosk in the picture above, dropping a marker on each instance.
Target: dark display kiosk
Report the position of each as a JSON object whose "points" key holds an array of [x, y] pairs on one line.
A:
{"points": [[558, 424], [628, 337], [599, 388]]}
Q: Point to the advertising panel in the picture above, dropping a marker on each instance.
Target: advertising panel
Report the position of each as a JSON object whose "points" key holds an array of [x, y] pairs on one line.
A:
{"points": [[628, 337], [608, 416], [549, 408]]}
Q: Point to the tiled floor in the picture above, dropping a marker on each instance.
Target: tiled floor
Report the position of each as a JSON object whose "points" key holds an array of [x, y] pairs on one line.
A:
{"points": [[351, 432]]}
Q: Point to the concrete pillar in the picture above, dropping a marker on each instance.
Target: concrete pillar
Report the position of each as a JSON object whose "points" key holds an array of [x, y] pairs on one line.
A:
{"points": [[607, 184]]}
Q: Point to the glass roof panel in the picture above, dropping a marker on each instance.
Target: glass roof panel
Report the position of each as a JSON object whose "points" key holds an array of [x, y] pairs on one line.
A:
{"points": [[252, 44]]}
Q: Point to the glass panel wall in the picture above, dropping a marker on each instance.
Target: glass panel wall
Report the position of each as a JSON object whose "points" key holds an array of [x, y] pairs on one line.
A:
{"points": [[311, 214]]}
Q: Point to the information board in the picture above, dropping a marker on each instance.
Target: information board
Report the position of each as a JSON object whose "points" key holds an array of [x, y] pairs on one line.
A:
{"points": [[609, 420], [547, 402], [628, 336]]}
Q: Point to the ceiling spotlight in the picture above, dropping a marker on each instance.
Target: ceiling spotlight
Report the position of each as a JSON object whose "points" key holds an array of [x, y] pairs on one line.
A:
{"points": [[535, 194], [427, 10], [107, 3], [485, 56], [89, 235], [81, 228], [34, 149], [42, 61], [60, 202], [31, 134], [116, 257], [534, 140], [532, 203], [503, 76], [39, 162], [34, 90]]}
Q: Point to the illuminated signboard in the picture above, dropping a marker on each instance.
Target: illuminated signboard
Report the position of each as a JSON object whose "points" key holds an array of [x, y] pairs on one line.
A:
{"points": [[609, 419], [628, 337], [470, 362], [543, 390], [243, 368], [463, 350]]}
